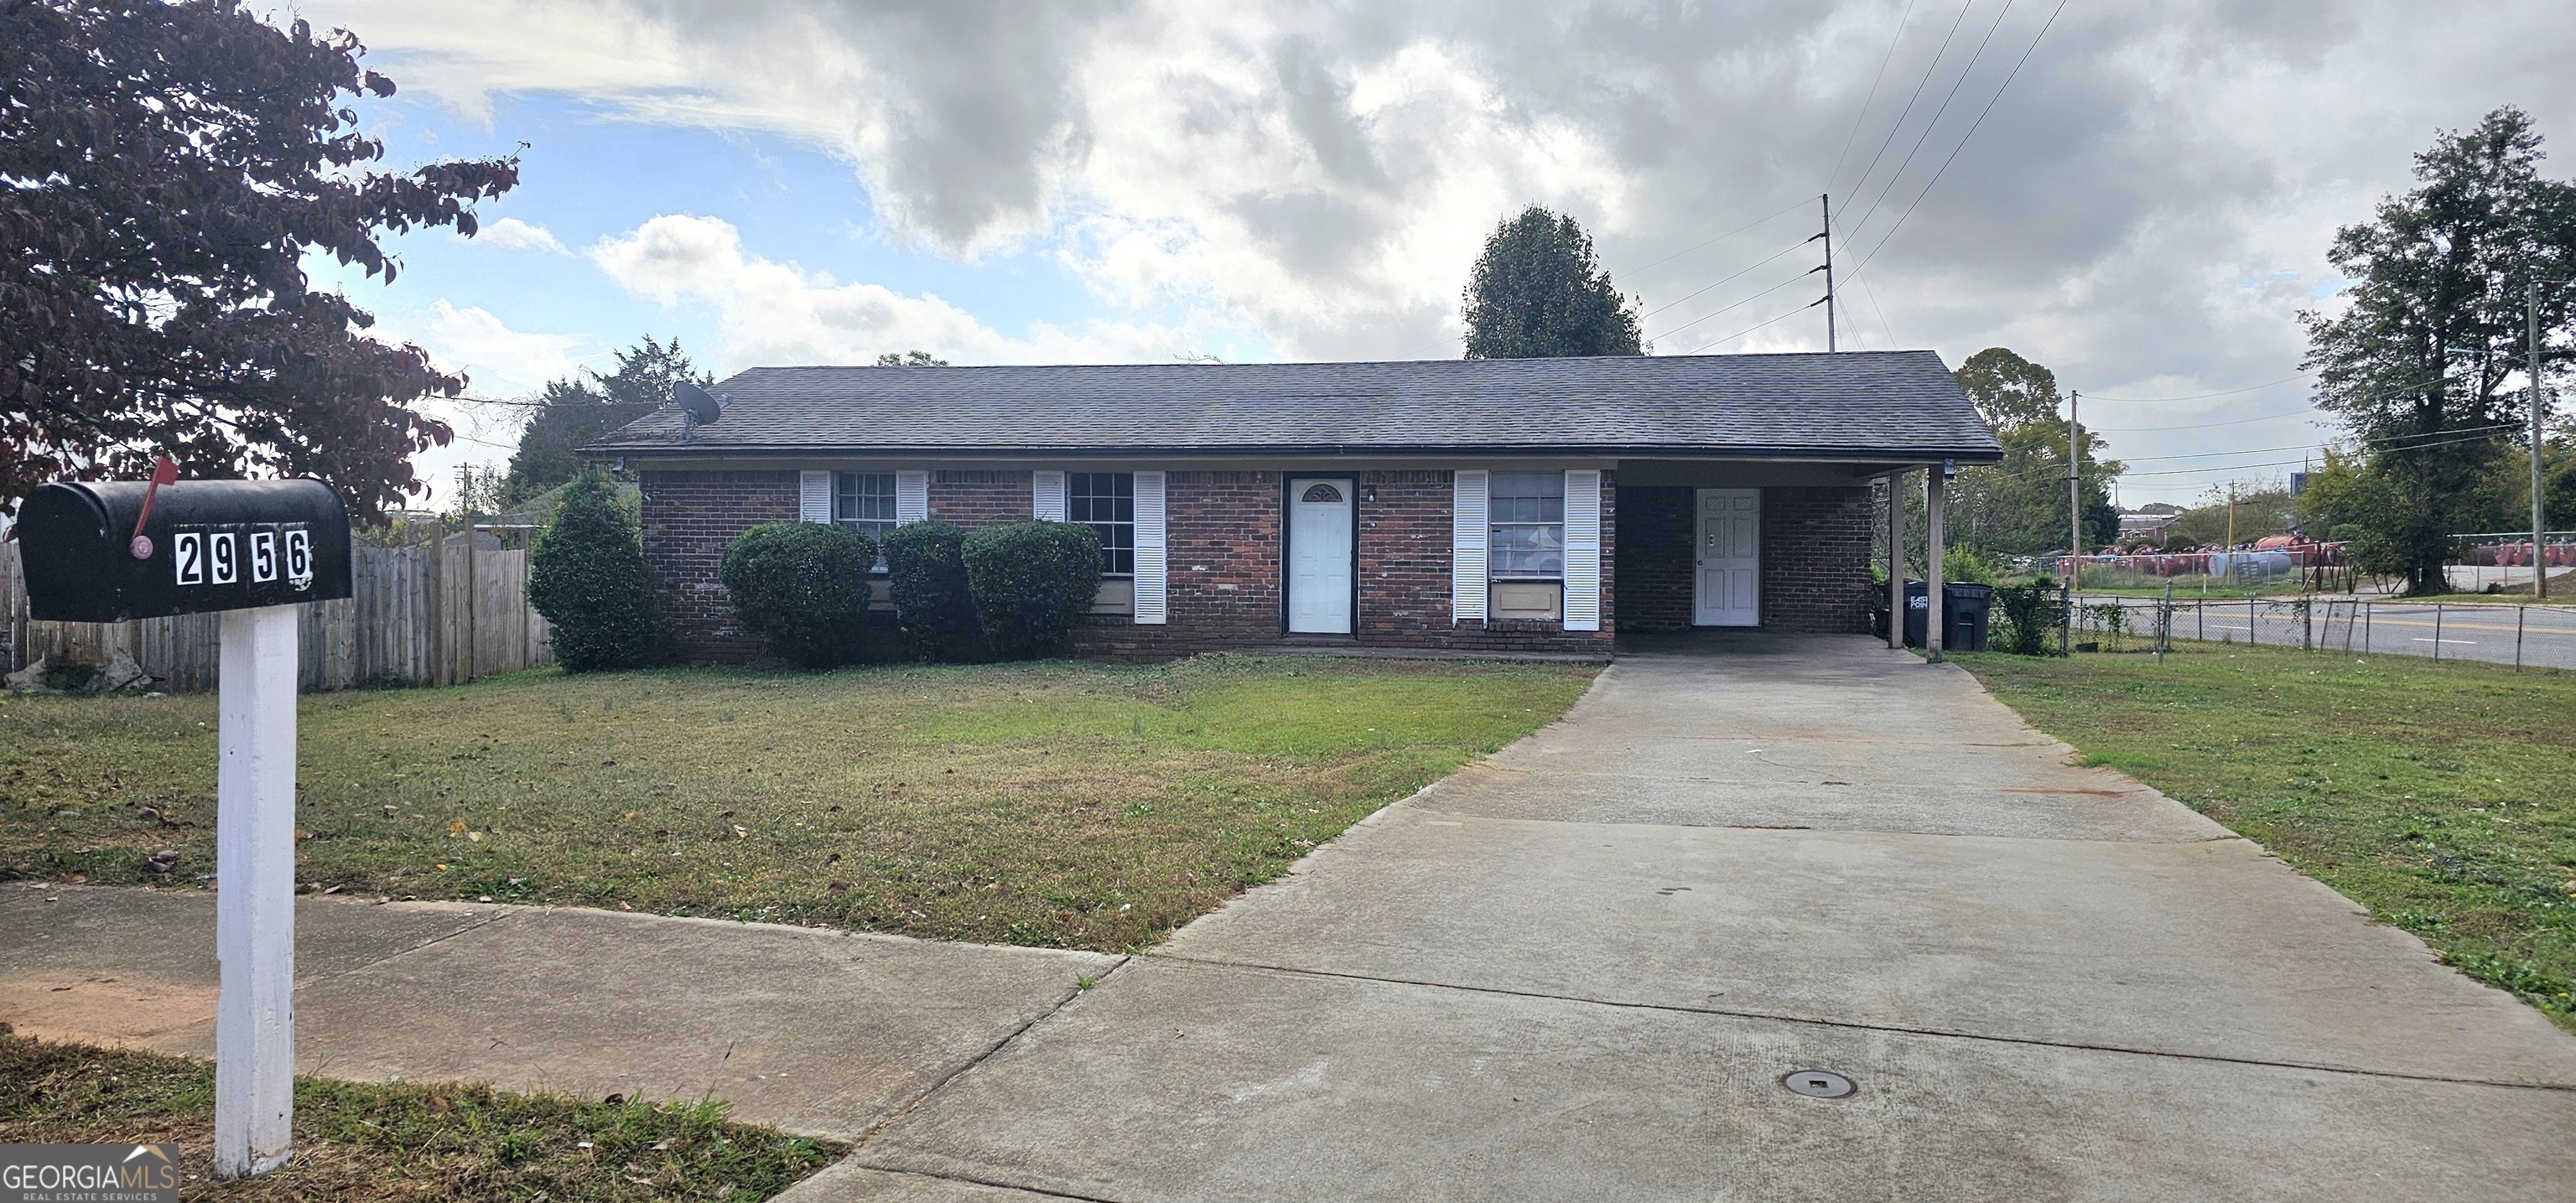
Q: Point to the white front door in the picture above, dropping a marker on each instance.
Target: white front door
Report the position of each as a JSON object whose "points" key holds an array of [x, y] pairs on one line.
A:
{"points": [[1729, 551], [1319, 555]]}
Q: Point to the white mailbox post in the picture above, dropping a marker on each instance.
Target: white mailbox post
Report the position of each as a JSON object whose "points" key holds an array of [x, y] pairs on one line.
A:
{"points": [[255, 551]]}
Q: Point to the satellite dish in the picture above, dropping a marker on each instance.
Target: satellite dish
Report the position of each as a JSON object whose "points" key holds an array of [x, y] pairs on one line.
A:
{"points": [[702, 408]]}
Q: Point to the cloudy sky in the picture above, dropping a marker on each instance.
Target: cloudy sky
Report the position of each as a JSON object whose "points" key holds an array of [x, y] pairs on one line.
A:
{"points": [[2145, 208]]}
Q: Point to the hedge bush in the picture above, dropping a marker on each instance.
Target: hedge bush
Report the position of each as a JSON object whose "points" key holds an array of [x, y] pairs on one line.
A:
{"points": [[804, 586], [1031, 582], [586, 575], [927, 561]]}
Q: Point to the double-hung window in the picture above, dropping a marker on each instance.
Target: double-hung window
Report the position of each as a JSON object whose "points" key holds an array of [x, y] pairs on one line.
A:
{"points": [[1528, 515], [1106, 502], [865, 501]]}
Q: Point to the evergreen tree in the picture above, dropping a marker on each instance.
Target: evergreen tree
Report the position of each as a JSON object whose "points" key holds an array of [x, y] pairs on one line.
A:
{"points": [[1538, 292], [587, 577], [574, 412]]}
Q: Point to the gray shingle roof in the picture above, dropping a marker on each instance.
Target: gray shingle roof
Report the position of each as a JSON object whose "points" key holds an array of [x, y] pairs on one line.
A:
{"points": [[1861, 404]]}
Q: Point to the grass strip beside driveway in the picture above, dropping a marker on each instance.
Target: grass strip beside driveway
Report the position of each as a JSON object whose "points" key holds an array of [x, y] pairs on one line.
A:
{"points": [[2440, 796], [368, 1141], [1067, 804]]}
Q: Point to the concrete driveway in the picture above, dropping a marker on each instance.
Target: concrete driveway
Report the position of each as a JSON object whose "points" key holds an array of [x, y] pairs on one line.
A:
{"points": [[1582, 970]]}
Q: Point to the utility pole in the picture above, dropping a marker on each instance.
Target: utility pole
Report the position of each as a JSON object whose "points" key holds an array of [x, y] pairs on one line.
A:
{"points": [[1828, 236], [2539, 525], [2074, 493]]}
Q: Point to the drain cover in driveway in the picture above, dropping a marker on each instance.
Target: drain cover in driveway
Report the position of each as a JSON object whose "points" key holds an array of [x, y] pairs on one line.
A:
{"points": [[1818, 1084]]}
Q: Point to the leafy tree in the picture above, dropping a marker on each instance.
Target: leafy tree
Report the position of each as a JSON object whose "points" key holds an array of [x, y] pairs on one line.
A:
{"points": [[804, 585], [572, 413], [1538, 292], [2261, 509], [587, 577], [2426, 361], [2018, 505], [910, 359], [168, 167]]}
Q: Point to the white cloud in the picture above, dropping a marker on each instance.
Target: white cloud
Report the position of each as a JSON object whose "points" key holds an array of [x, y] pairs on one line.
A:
{"points": [[773, 314], [512, 234], [500, 361], [1326, 174]]}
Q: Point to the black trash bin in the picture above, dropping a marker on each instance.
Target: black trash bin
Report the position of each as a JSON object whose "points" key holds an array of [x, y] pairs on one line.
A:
{"points": [[1967, 605]]}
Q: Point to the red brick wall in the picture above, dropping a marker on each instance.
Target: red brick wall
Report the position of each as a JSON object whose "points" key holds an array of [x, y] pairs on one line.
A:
{"points": [[1221, 580], [689, 517], [1815, 558], [1404, 566], [972, 498], [1224, 576], [1657, 527]]}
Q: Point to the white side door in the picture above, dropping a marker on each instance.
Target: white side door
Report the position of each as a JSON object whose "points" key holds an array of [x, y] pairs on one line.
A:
{"points": [[1319, 555], [1729, 569]]}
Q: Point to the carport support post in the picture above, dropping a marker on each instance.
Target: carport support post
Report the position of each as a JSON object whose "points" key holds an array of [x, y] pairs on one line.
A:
{"points": [[1935, 585], [255, 892], [1896, 561]]}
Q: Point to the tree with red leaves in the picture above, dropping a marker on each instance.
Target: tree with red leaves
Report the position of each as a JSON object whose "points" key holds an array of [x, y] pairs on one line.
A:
{"points": [[164, 168]]}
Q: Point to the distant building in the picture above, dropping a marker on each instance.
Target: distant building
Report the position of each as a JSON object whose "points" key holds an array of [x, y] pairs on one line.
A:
{"points": [[2145, 527]]}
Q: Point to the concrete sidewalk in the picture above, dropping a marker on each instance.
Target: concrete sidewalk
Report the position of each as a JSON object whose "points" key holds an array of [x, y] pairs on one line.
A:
{"points": [[1582, 970], [822, 1033]]}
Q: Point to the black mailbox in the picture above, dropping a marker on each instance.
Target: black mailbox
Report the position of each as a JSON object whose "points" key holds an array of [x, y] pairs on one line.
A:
{"points": [[206, 545]]}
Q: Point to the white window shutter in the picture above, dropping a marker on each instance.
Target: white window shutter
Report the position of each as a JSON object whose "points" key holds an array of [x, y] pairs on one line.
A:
{"points": [[813, 497], [911, 497], [1467, 584], [1150, 556], [1048, 504], [1583, 550]]}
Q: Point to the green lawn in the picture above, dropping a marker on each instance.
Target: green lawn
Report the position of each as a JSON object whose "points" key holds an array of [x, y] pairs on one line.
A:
{"points": [[1073, 804], [2440, 796], [369, 1142]]}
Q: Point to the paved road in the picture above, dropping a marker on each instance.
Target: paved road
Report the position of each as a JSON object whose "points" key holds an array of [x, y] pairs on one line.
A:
{"points": [[2467, 631], [1582, 970]]}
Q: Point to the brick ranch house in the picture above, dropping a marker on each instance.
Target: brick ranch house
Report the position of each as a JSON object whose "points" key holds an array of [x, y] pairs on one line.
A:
{"points": [[1495, 505]]}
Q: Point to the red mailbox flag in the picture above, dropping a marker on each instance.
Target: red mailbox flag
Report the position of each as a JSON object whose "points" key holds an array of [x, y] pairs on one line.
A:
{"points": [[164, 472]]}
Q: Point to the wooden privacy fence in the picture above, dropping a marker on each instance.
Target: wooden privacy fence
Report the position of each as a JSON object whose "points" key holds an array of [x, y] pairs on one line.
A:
{"points": [[420, 615]]}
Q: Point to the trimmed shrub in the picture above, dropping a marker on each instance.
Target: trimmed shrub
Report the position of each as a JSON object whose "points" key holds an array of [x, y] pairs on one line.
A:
{"points": [[2032, 616], [1031, 582], [586, 575], [927, 561], [804, 586]]}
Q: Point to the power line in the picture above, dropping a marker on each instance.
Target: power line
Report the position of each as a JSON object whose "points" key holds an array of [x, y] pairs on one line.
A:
{"points": [[1774, 255], [1737, 305], [1796, 204], [1756, 326], [2251, 388], [1937, 114], [1863, 114], [1902, 114], [2197, 425], [2014, 74]]}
